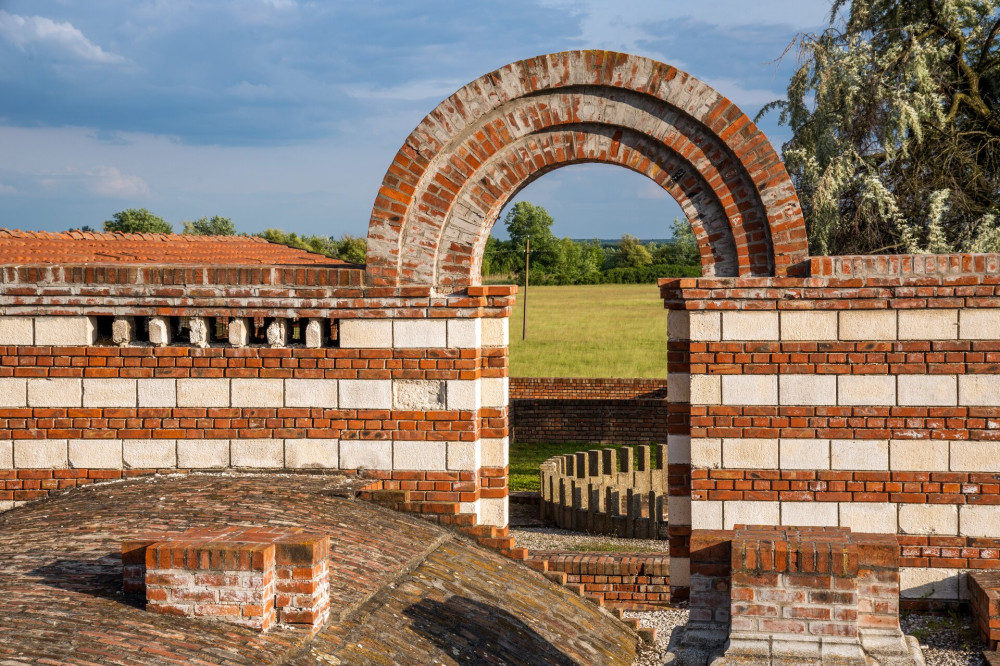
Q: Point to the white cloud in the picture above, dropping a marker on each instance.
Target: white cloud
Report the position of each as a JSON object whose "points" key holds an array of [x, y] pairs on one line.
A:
{"points": [[110, 182], [31, 31], [7, 189], [745, 98], [412, 91]]}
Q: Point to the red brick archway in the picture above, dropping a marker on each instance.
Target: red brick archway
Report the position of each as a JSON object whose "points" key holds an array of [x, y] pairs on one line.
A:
{"points": [[478, 148]]}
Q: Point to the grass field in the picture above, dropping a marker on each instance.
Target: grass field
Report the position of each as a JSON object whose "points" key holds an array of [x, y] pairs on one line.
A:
{"points": [[604, 330], [525, 457]]}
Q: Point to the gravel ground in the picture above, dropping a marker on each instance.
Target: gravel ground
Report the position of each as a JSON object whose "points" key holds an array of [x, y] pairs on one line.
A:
{"points": [[552, 538], [945, 640]]}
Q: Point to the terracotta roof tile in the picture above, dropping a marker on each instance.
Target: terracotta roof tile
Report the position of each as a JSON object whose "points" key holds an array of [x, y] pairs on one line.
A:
{"points": [[76, 247]]}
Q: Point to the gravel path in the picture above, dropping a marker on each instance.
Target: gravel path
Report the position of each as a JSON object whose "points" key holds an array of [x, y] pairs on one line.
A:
{"points": [[552, 538], [945, 640]]}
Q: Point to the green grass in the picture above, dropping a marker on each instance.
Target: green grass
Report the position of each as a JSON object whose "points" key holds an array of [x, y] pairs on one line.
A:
{"points": [[604, 330], [525, 457]]}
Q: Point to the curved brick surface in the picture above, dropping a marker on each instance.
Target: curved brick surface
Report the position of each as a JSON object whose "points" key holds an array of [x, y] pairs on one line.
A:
{"points": [[482, 145], [60, 582]]}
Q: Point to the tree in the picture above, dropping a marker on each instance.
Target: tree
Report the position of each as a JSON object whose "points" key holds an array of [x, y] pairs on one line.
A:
{"points": [[352, 248], [632, 253], [138, 220], [682, 249], [896, 127], [213, 226], [526, 219]]}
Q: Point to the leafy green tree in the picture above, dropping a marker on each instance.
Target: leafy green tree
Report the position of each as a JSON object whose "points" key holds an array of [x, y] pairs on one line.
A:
{"points": [[895, 110], [682, 249], [352, 248], [213, 226], [526, 219], [138, 220], [632, 253]]}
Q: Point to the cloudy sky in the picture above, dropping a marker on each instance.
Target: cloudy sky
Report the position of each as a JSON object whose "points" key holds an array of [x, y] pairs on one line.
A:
{"points": [[286, 113]]}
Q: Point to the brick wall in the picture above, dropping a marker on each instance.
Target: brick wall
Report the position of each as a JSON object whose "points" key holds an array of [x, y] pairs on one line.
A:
{"points": [[864, 396], [111, 372], [557, 409], [636, 581]]}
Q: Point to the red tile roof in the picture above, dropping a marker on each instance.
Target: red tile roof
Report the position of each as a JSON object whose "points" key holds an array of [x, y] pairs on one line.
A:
{"points": [[79, 247]]}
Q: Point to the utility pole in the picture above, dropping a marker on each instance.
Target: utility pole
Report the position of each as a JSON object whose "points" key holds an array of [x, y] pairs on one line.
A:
{"points": [[527, 266]]}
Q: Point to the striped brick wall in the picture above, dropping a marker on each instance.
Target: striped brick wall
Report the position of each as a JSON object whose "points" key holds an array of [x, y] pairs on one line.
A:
{"points": [[868, 400]]}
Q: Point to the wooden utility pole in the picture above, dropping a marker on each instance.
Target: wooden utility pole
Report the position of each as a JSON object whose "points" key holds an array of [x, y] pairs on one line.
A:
{"points": [[527, 272]]}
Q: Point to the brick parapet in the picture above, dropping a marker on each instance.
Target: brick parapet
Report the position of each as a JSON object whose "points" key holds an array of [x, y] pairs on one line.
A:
{"points": [[586, 388], [632, 581]]}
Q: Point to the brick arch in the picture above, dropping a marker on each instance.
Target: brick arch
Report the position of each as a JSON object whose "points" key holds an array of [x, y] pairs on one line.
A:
{"points": [[477, 149]]}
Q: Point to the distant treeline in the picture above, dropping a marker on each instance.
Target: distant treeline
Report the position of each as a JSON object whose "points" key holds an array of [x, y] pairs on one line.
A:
{"points": [[553, 260]]}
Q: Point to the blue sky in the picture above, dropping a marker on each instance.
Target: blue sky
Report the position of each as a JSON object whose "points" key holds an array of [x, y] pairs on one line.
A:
{"points": [[286, 113]]}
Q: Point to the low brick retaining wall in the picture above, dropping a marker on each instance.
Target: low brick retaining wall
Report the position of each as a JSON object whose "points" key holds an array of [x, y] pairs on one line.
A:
{"points": [[633, 581], [559, 409]]}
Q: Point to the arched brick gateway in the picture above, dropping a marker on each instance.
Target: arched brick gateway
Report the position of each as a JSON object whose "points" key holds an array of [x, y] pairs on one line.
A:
{"points": [[478, 148]]}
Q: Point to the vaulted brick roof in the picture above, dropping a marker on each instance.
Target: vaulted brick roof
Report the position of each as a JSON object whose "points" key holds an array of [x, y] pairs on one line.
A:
{"points": [[76, 247]]}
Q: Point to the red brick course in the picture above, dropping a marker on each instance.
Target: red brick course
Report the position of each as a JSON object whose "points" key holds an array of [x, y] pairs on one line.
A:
{"points": [[632, 581]]}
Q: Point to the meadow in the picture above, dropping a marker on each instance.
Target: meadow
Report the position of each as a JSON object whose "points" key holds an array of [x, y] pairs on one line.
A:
{"points": [[603, 330]]}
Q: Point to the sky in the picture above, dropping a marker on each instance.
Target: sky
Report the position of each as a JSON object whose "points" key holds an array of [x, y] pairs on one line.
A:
{"points": [[287, 113]]}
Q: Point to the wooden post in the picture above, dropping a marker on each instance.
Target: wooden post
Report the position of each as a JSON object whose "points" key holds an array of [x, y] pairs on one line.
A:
{"points": [[527, 273]]}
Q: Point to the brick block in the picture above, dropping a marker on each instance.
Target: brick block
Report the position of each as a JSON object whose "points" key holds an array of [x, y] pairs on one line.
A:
{"points": [[464, 394], [495, 452], [867, 325], [311, 393], [928, 519], [419, 333], [804, 454], [157, 392], [979, 520], [496, 332], [418, 394], [750, 390], [55, 392], [149, 453], [202, 453], [257, 453], [420, 455], [979, 390], [109, 393], [866, 390], [203, 393], [465, 333], [312, 453], [747, 453], [95, 453], [17, 331], [365, 333], [495, 391], [806, 514], [41, 454], [807, 389], [878, 517], [13, 392], [365, 454], [797, 325], [65, 331], [258, 393], [859, 454], [928, 390], [924, 324], [464, 456], [741, 325], [706, 453], [978, 324], [365, 393], [918, 454]]}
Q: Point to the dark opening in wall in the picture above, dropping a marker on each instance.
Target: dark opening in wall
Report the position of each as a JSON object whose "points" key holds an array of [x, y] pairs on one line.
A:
{"points": [[141, 331], [296, 331], [104, 326], [331, 331], [220, 329], [258, 330]]}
